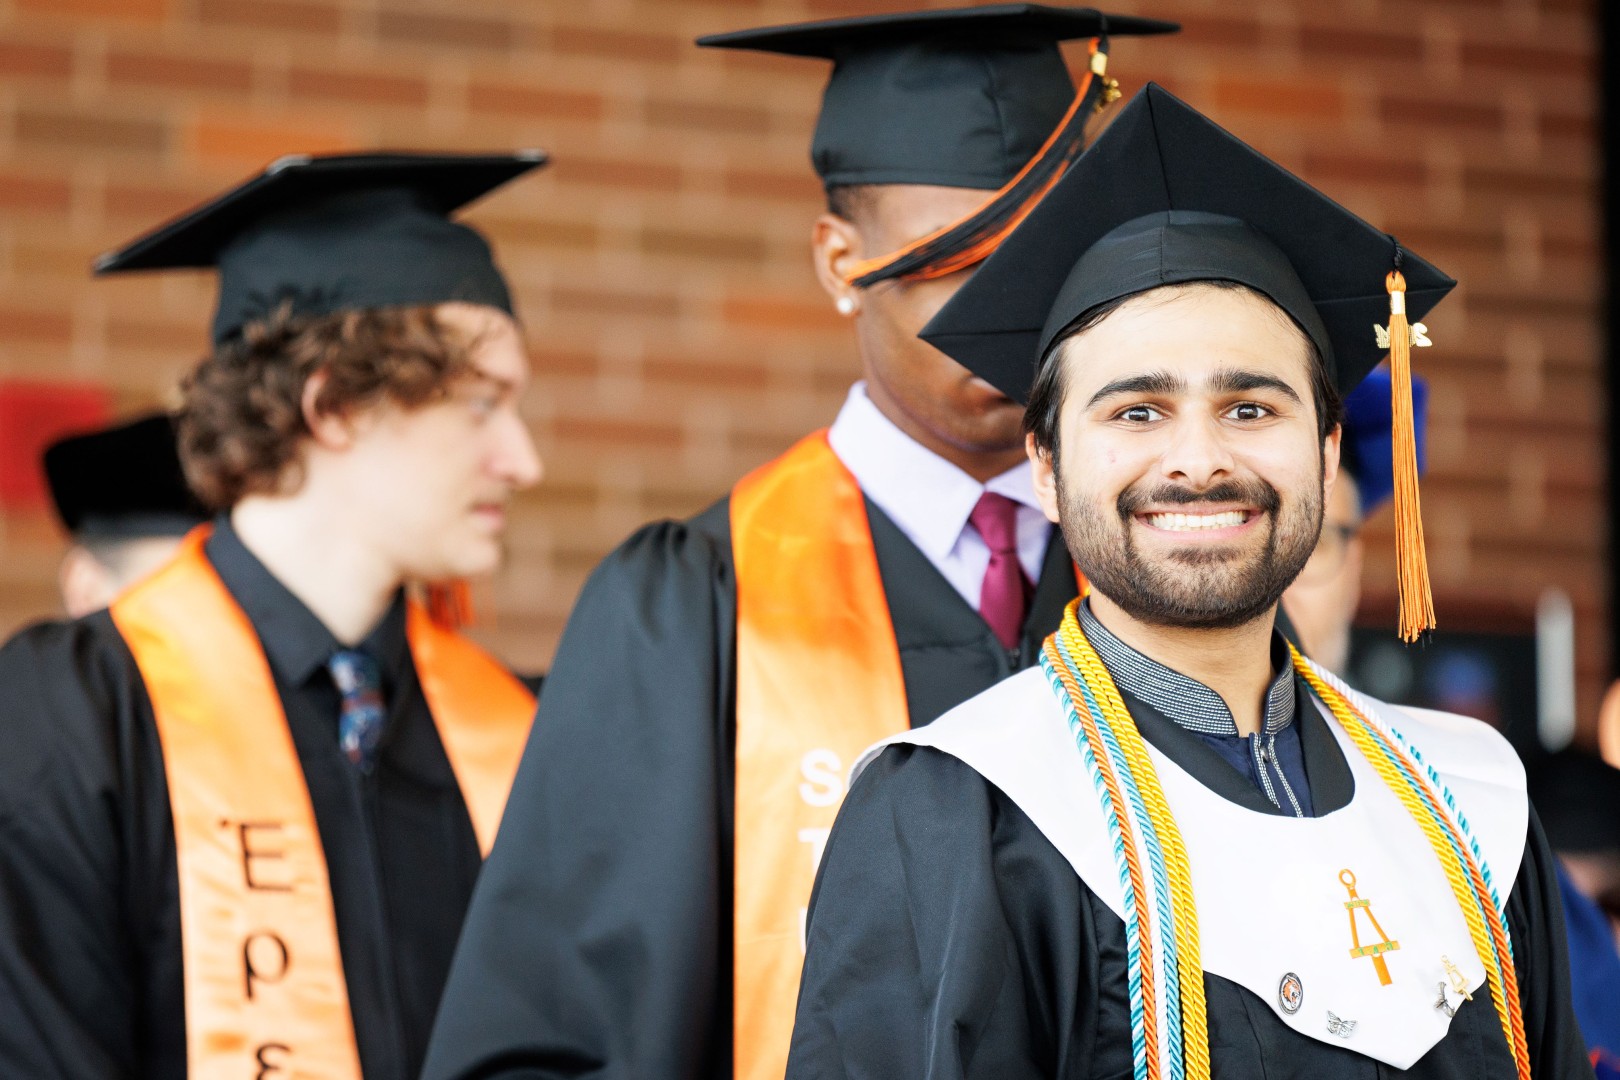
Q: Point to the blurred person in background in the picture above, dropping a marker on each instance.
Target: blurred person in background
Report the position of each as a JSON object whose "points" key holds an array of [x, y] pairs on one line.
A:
{"points": [[642, 914], [122, 497], [242, 810]]}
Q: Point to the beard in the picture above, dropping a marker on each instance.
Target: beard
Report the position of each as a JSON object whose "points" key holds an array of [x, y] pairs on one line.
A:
{"points": [[1204, 587]]}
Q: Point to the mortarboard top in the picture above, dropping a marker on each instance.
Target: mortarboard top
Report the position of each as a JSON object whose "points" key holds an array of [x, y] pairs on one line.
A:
{"points": [[1164, 196], [958, 97], [122, 482], [337, 233], [1366, 449]]}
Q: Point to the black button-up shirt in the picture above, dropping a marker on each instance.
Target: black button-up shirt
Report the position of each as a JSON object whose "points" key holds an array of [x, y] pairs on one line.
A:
{"points": [[400, 850], [91, 978]]}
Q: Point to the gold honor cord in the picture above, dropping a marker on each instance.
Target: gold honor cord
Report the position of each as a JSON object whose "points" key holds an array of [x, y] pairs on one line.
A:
{"points": [[1463, 872], [1184, 908], [1133, 864], [1467, 881]]}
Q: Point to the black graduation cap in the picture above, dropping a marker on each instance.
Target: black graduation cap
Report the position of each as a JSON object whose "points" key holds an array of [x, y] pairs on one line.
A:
{"points": [[974, 97], [1165, 196], [337, 233], [122, 482], [957, 97]]}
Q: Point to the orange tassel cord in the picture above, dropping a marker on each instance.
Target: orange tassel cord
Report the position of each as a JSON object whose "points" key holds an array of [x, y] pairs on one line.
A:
{"points": [[1411, 557]]}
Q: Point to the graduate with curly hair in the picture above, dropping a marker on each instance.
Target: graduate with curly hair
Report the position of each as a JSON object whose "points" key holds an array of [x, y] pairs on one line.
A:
{"points": [[242, 810]]}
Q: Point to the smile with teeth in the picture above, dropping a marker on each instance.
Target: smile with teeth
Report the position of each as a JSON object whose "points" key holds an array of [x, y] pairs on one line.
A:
{"points": [[1225, 519]]}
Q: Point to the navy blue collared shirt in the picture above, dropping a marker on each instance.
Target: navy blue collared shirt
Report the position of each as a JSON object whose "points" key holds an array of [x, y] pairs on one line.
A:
{"points": [[1273, 759]]}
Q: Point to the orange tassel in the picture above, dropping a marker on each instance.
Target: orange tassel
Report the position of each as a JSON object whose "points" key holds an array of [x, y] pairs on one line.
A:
{"points": [[450, 604], [1411, 557]]}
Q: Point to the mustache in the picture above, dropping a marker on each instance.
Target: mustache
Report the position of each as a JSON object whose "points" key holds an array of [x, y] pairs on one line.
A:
{"points": [[1254, 492]]}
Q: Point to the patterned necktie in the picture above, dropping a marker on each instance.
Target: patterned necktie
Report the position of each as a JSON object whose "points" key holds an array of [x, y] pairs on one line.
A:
{"points": [[360, 724], [1004, 597]]}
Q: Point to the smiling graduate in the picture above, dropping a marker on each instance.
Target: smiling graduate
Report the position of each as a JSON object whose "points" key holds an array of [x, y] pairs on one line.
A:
{"points": [[1177, 848]]}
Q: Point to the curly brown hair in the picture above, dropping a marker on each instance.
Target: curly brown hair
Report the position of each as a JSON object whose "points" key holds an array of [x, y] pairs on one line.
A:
{"points": [[243, 418]]}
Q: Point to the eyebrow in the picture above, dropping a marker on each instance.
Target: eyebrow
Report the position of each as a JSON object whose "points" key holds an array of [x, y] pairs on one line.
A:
{"points": [[1154, 382], [1239, 381], [500, 384], [1166, 384]]}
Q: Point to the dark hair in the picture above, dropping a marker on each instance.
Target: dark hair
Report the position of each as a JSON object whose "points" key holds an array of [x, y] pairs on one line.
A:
{"points": [[243, 417], [1046, 397]]}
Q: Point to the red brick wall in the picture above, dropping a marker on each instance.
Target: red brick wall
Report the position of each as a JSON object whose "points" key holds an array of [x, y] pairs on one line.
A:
{"points": [[661, 263]]}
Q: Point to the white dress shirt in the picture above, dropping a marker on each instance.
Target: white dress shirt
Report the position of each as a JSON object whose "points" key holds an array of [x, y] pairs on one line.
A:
{"points": [[930, 499]]}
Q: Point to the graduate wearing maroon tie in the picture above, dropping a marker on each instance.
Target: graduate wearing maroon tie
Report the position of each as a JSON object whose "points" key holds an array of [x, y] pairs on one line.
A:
{"points": [[641, 913]]}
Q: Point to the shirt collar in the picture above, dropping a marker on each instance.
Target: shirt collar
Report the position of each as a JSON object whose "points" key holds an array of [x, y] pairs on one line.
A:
{"points": [[1185, 700], [925, 495], [295, 641]]}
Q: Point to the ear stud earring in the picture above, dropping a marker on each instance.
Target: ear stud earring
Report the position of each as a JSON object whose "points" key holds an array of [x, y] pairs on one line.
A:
{"points": [[846, 305]]}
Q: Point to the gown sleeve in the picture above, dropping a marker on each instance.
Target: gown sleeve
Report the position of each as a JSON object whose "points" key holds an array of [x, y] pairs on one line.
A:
{"points": [[67, 993], [1541, 956], [942, 941], [592, 947]]}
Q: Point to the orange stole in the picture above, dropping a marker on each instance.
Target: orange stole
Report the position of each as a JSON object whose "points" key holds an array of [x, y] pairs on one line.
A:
{"points": [[264, 988], [818, 681]]}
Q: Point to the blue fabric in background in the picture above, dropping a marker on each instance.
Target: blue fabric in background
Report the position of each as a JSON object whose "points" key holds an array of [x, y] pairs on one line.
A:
{"points": [[1367, 447], [1594, 970]]}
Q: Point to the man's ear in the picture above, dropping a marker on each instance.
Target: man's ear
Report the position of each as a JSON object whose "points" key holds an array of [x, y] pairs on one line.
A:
{"points": [[330, 430], [835, 246], [1045, 477], [1330, 461]]}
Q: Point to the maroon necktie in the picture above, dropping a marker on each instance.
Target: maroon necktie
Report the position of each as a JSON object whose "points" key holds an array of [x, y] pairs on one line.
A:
{"points": [[1004, 599]]}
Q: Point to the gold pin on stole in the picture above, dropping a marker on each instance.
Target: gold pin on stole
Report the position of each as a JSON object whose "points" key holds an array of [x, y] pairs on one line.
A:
{"points": [[1459, 982], [1377, 949], [1459, 986]]}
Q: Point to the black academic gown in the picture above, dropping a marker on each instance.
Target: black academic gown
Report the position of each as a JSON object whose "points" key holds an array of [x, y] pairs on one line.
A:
{"points": [[599, 941], [948, 939], [90, 956]]}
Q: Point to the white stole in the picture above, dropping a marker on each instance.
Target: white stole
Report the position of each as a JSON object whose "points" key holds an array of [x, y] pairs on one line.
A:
{"points": [[1271, 903]]}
